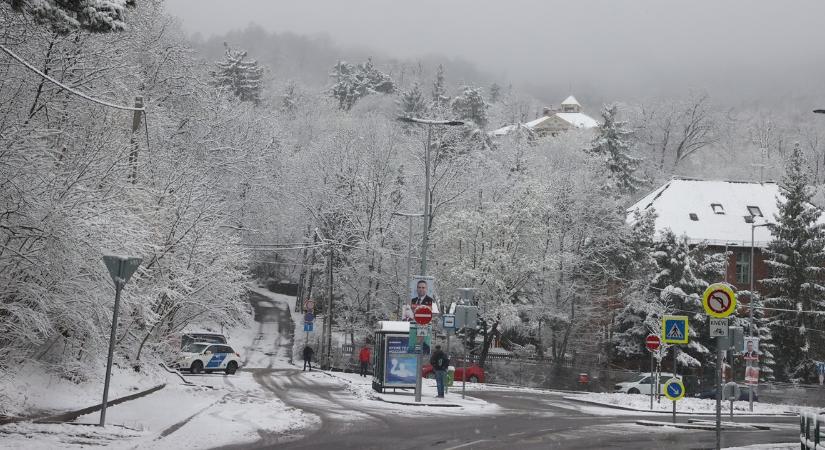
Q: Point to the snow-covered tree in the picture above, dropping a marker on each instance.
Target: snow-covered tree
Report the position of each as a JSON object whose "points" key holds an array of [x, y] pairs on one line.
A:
{"points": [[613, 145], [412, 102], [63, 16], [238, 75], [796, 261], [495, 93], [353, 83], [440, 98], [470, 105]]}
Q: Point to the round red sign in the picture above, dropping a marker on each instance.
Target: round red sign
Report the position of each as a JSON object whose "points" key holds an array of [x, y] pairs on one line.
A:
{"points": [[653, 342], [423, 315]]}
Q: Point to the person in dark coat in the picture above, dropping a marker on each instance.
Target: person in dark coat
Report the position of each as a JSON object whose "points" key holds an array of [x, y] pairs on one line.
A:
{"points": [[364, 359], [440, 363], [308, 352]]}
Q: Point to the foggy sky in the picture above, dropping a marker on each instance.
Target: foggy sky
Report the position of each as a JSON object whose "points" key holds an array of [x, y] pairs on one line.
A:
{"points": [[744, 50]]}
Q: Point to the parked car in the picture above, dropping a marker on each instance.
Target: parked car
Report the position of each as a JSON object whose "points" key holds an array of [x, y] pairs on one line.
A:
{"points": [[643, 383], [212, 338], [743, 394], [475, 374], [207, 357]]}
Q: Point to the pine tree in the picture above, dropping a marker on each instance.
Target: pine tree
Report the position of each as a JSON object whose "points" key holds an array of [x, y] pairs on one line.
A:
{"points": [[495, 93], [353, 83], [97, 16], [795, 265], [440, 97], [239, 76], [289, 102], [412, 102], [612, 144], [470, 105]]}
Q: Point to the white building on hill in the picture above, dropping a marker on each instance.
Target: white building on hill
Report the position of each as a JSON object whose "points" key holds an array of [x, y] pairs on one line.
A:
{"points": [[567, 117]]}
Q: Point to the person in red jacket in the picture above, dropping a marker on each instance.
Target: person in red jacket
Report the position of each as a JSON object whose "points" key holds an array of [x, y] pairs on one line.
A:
{"points": [[364, 358]]}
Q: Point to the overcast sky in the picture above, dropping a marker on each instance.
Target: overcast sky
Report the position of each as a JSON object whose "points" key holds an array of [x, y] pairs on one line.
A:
{"points": [[744, 46]]}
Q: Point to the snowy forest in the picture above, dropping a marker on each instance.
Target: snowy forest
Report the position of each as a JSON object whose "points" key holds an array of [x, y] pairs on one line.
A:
{"points": [[264, 156]]}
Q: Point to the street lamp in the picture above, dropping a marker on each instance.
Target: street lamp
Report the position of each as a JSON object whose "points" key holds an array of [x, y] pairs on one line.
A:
{"points": [[819, 111], [427, 213], [409, 251], [754, 226]]}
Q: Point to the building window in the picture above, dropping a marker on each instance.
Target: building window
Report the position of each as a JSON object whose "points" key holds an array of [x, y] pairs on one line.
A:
{"points": [[717, 208], [743, 266], [694, 217], [755, 211]]}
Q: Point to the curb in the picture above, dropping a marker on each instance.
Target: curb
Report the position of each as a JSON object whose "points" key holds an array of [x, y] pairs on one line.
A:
{"points": [[442, 405], [72, 415], [648, 411], [694, 425]]}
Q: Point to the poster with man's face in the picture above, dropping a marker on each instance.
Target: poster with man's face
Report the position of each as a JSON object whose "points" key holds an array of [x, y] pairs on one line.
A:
{"points": [[422, 292], [751, 346]]}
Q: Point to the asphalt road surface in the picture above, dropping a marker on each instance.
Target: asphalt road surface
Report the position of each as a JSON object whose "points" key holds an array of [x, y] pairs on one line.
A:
{"points": [[527, 420]]}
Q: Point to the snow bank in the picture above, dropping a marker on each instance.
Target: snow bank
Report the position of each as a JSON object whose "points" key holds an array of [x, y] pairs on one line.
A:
{"points": [[686, 405]]}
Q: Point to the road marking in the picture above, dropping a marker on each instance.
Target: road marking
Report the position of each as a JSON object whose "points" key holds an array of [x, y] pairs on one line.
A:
{"points": [[467, 444], [517, 434]]}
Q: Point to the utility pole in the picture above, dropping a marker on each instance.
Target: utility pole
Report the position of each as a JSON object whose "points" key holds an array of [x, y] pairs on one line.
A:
{"points": [[329, 308], [133, 153], [425, 241]]}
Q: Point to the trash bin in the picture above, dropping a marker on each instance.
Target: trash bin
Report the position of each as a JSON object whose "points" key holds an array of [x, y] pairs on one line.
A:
{"points": [[450, 376]]}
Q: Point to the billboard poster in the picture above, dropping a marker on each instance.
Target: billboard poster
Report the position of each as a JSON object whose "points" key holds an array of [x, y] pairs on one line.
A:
{"points": [[751, 349], [422, 292], [400, 366], [752, 375]]}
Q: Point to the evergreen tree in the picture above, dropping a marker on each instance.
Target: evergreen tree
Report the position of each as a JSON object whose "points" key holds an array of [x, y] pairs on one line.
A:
{"points": [[440, 97], [795, 265], [612, 144], [412, 102], [290, 100], [238, 75], [353, 83], [495, 93], [470, 105], [63, 16]]}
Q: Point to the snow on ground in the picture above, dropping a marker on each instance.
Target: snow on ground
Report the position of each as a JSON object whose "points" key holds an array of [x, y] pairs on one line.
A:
{"points": [[689, 405], [34, 436], [361, 387], [32, 390], [782, 446]]}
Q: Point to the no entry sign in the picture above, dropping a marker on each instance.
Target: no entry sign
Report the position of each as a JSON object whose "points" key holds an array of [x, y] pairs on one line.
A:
{"points": [[652, 342], [423, 315]]}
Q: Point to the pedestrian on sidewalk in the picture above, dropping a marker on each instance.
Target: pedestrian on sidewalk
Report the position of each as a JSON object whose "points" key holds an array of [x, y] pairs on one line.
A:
{"points": [[820, 370], [440, 363], [308, 352], [364, 359]]}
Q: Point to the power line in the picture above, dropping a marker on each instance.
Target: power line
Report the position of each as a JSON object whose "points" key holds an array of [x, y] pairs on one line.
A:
{"points": [[73, 91]]}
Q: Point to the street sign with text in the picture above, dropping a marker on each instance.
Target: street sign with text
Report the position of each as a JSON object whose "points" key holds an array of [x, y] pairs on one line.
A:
{"points": [[718, 327]]}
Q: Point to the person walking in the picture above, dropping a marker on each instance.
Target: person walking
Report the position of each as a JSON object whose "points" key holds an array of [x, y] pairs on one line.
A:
{"points": [[440, 363], [820, 370], [364, 358], [308, 352]]}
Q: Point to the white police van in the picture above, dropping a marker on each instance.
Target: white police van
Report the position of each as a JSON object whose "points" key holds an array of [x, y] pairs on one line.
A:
{"points": [[208, 357]]}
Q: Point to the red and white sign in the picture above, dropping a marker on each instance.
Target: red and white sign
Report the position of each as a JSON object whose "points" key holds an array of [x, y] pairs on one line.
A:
{"points": [[423, 315], [652, 342]]}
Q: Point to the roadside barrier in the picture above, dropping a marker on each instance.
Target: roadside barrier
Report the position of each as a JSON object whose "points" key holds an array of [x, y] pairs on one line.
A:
{"points": [[811, 431]]}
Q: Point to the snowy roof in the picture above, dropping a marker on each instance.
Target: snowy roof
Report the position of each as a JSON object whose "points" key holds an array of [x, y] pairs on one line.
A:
{"points": [[394, 326], [713, 211], [531, 124], [578, 120], [571, 101]]}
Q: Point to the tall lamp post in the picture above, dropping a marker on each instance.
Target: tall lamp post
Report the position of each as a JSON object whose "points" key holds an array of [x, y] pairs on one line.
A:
{"points": [[427, 210], [409, 254], [754, 226], [121, 268]]}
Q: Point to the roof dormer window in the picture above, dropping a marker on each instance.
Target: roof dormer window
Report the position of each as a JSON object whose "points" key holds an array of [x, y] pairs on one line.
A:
{"points": [[717, 208], [755, 211], [694, 217]]}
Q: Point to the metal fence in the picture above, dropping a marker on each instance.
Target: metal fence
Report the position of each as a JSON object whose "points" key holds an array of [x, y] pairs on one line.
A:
{"points": [[811, 431]]}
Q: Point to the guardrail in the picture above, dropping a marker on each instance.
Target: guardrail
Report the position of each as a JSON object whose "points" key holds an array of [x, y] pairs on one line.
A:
{"points": [[811, 431]]}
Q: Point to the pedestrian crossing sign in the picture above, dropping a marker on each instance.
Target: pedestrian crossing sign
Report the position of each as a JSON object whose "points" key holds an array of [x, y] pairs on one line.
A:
{"points": [[675, 329]]}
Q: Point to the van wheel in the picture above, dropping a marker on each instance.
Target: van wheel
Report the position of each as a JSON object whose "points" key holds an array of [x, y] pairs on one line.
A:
{"points": [[633, 391], [231, 368], [473, 379], [197, 367]]}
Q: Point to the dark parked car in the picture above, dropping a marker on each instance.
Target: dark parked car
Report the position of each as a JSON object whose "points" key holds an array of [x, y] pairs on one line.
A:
{"points": [[743, 394]]}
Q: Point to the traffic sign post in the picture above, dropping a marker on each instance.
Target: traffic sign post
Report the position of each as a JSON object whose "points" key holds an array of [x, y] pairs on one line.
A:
{"points": [[675, 391], [423, 315], [652, 342], [718, 327], [731, 392]]}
